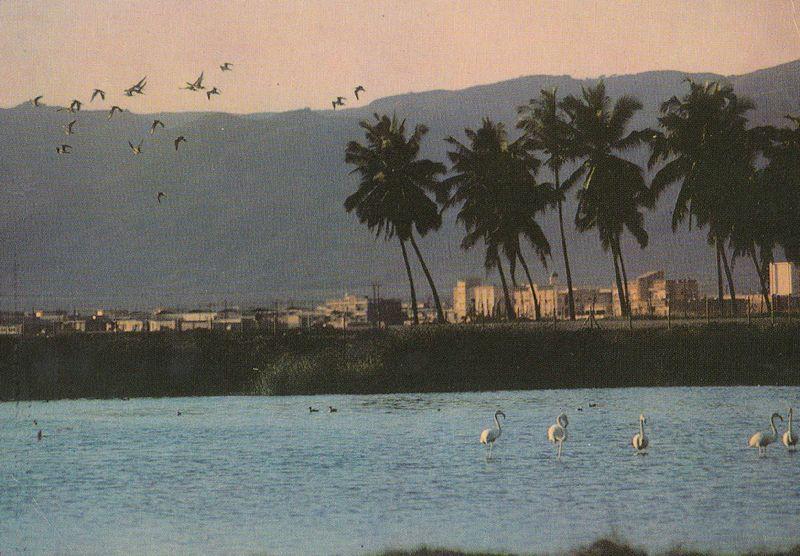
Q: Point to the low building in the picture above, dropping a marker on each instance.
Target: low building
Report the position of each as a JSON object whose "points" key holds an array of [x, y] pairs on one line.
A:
{"points": [[130, 324], [74, 324], [11, 329], [228, 320], [162, 324]]}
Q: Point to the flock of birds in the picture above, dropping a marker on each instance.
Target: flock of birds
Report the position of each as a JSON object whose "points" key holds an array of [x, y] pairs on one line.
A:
{"points": [[557, 435], [138, 89]]}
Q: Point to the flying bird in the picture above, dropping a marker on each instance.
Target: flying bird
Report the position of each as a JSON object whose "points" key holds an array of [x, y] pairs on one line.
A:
{"points": [[156, 123], [64, 149], [338, 102], [763, 439], [213, 91], [68, 127], [138, 88], [114, 108], [640, 440], [490, 436], [557, 434], [789, 437], [137, 149], [37, 100], [159, 196], [98, 92], [227, 66], [198, 83], [178, 141], [74, 106], [358, 89]]}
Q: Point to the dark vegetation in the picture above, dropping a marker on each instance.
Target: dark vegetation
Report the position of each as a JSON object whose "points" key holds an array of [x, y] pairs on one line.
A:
{"points": [[601, 547], [411, 359]]}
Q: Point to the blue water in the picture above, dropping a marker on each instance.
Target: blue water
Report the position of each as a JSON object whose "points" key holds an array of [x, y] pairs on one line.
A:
{"points": [[257, 474]]}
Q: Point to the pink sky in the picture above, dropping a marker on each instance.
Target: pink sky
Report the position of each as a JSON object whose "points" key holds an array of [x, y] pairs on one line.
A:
{"points": [[295, 54]]}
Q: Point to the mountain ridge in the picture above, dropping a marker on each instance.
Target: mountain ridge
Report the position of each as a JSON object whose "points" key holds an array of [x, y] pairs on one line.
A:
{"points": [[254, 201]]}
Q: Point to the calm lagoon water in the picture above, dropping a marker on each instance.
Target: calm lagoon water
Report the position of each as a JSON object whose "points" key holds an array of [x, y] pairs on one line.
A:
{"points": [[257, 474]]}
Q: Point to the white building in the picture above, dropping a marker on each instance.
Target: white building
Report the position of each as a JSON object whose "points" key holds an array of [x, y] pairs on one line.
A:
{"points": [[471, 297], [784, 279]]}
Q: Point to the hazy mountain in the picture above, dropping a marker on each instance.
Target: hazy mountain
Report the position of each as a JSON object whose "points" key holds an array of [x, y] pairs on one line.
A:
{"points": [[254, 203]]}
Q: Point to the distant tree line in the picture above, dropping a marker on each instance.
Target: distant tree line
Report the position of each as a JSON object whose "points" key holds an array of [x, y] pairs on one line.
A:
{"points": [[740, 183]]}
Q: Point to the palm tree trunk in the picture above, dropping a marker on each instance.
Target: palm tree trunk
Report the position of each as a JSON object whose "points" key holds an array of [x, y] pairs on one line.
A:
{"points": [[439, 312], [624, 276], [411, 283], [509, 307], [764, 290], [729, 276], [536, 310], [570, 295], [720, 294], [620, 292]]}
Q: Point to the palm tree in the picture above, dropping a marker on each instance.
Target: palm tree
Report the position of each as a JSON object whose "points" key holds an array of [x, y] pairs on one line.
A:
{"points": [[392, 198], [754, 232], [546, 130], [614, 188], [782, 150], [494, 186], [705, 148]]}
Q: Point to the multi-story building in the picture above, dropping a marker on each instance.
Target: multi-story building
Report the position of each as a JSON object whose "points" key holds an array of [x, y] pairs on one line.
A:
{"points": [[472, 298], [784, 279], [386, 311], [587, 300], [651, 294], [349, 310]]}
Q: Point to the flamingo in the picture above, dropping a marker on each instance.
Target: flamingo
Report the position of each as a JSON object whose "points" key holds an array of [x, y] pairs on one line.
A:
{"points": [[490, 436], [557, 434], [790, 438], [640, 440], [763, 439]]}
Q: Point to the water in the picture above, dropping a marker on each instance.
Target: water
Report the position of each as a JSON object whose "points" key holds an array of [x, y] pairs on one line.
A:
{"points": [[254, 474]]}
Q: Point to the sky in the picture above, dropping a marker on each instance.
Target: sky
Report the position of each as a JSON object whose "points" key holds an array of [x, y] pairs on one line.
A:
{"points": [[302, 53]]}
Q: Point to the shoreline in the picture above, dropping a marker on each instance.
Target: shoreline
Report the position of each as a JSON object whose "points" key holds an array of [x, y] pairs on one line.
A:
{"points": [[426, 359]]}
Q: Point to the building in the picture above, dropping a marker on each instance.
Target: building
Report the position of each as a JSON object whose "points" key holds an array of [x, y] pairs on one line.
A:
{"points": [[472, 298], [227, 319], [162, 323], [587, 300], [344, 312], [11, 329], [385, 311], [651, 294], [784, 279]]}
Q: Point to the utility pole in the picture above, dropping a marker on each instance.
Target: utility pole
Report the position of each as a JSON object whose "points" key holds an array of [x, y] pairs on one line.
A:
{"points": [[16, 282], [772, 310], [669, 313], [376, 301]]}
